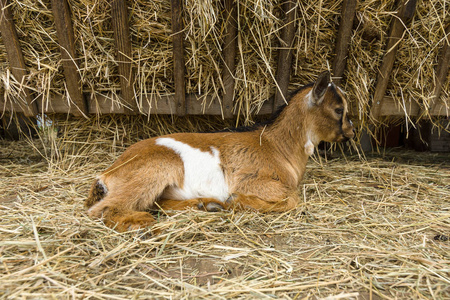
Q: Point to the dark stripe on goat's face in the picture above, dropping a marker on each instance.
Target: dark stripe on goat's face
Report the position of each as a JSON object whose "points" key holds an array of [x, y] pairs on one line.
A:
{"points": [[334, 122], [346, 125], [341, 123], [340, 100]]}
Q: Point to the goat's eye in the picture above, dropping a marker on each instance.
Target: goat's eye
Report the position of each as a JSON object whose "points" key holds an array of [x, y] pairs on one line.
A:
{"points": [[339, 111]]}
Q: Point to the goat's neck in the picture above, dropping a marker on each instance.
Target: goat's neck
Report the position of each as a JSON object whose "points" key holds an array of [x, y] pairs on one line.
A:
{"points": [[290, 135]]}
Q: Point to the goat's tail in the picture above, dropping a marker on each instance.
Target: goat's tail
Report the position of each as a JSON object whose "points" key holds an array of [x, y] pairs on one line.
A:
{"points": [[97, 192]]}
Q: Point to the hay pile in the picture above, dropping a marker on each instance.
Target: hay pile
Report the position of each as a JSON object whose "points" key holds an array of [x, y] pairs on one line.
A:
{"points": [[415, 78], [372, 229], [259, 33], [412, 78]]}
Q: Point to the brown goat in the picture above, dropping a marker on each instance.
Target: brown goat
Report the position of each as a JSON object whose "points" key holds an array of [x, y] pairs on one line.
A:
{"points": [[260, 168]]}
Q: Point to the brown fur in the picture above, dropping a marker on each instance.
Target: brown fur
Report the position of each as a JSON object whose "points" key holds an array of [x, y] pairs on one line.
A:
{"points": [[263, 168]]}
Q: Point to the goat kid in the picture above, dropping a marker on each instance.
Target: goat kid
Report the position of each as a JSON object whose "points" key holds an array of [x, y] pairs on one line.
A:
{"points": [[258, 169]]}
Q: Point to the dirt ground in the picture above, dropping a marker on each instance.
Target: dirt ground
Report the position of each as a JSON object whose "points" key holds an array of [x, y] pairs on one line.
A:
{"points": [[368, 228]]}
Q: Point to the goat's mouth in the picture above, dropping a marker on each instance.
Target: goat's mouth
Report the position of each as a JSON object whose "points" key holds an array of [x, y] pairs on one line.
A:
{"points": [[344, 138]]}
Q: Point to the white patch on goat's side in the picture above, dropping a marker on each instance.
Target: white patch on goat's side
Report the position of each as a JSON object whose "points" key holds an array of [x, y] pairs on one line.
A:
{"points": [[309, 148], [203, 175]]}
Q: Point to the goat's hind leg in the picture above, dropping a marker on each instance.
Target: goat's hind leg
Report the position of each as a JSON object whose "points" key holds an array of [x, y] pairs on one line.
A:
{"points": [[117, 214], [124, 207], [127, 220], [124, 192]]}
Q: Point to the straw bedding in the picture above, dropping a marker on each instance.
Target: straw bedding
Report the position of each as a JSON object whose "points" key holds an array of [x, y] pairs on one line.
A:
{"points": [[373, 228], [259, 24]]}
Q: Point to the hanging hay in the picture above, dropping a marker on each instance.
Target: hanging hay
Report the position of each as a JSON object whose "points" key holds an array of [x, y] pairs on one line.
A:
{"points": [[366, 53], [372, 229], [258, 40], [40, 49], [414, 78]]}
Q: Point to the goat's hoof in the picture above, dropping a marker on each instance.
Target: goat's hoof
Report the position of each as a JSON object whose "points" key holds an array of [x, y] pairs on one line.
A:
{"points": [[210, 207], [231, 199], [214, 207]]}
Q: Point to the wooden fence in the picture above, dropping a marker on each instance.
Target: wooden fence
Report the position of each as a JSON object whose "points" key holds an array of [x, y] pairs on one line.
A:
{"points": [[182, 104]]}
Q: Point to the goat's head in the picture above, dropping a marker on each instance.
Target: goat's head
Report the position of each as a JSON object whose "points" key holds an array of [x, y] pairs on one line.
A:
{"points": [[327, 107]]}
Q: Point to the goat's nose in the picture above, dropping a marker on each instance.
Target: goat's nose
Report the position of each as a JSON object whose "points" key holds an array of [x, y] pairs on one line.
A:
{"points": [[353, 133]]}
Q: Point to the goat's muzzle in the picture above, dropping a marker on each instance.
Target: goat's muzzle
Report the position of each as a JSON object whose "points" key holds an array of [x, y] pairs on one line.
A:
{"points": [[348, 132]]}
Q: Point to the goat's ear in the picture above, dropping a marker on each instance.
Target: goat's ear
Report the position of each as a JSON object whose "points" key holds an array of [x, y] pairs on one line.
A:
{"points": [[320, 87]]}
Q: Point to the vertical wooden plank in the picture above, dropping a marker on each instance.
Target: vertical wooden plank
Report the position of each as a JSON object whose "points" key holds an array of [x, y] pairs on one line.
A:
{"points": [[343, 38], [66, 40], [121, 29], [285, 54], [229, 54], [178, 56], [403, 17], [441, 69], [15, 55]]}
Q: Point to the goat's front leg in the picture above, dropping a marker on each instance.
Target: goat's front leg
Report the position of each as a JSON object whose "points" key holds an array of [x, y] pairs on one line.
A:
{"points": [[265, 195], [207, 204], [253, 202]]}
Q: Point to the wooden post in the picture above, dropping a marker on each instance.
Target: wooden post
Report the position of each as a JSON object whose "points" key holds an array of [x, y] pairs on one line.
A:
{"points": [[66, 39], [15, 55], [229, 54], [343, 38], [403, 17], [121, 29], [178, 57], [285, 54], [441, 69]]}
